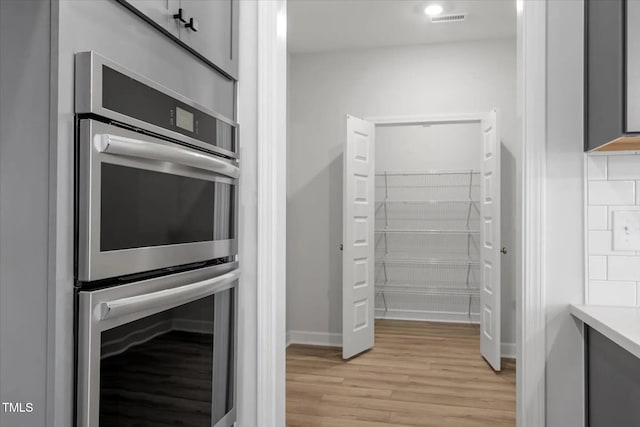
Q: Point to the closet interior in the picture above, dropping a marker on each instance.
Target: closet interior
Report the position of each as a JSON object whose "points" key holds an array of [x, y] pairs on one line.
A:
{"points": [[427, 222]]}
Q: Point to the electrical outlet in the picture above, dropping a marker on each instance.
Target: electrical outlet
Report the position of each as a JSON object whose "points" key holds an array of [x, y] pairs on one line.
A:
{"points": [[626, 230]]}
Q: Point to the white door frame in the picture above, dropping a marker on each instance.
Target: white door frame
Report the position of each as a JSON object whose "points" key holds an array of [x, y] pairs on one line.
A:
{"points": [[531, 309], [530, 295], [431, 119], [272, 208], [459, 118]]}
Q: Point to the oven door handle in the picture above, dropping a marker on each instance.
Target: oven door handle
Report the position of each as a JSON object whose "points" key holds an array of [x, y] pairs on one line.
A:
{"points": [[120, 145], [164, 299]]}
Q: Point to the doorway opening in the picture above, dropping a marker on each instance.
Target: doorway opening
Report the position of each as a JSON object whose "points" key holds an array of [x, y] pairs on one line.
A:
{"points": [[423, 274], [421, 215]]}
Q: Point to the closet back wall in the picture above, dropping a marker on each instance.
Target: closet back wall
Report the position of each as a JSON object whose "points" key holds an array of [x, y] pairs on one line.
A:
{"points": [[419, 148], [415, 80]]}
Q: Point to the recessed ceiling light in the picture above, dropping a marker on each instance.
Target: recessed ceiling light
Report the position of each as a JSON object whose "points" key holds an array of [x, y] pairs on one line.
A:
{"points": [[433, 10]]}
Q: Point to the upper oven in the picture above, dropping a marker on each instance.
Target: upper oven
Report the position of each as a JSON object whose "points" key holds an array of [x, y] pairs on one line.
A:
{"points": [[156, 179]]}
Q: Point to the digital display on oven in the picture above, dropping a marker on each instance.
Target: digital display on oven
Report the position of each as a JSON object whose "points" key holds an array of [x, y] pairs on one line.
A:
{"points": [[184, 119]]}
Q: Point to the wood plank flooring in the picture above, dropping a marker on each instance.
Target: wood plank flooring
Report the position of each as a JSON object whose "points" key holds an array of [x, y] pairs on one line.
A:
{"points": [[418, 374]]}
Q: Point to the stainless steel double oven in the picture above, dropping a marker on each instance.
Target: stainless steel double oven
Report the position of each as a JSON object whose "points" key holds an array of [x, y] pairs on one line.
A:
{"points": [[156, 253]]}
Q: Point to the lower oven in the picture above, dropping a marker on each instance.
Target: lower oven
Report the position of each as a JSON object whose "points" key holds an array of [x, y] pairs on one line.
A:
{"points": [[159, 352]]}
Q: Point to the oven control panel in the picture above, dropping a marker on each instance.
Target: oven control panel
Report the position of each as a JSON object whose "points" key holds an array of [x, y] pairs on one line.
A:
{"points": [[107, 89]]}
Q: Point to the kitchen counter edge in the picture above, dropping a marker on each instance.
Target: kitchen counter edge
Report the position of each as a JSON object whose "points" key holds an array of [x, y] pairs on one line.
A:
{"points": [[620, 324]]}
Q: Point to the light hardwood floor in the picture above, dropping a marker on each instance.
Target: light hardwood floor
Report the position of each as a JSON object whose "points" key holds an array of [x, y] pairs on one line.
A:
{"points": [[418, 374]]}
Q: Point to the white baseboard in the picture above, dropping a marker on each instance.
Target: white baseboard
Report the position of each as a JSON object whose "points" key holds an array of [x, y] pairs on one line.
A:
{"points": [[423, 316], [325, 339], [508, 350]]}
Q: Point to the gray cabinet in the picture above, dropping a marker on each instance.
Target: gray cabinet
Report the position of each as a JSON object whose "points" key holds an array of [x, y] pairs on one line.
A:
{"points": [[216, 33], [208, 29], [632, 123], [613, 383], [160, 12], [612, 75]]}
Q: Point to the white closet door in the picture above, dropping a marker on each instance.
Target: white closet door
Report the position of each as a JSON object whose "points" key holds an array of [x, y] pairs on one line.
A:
{"points": [[358, 238], [490, 242]]}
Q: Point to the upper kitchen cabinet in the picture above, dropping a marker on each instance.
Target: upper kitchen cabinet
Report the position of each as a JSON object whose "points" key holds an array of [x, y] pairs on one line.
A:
{"points": [[632, 47], [612, 75], [208, 29], [160, 12], [212, 30]]}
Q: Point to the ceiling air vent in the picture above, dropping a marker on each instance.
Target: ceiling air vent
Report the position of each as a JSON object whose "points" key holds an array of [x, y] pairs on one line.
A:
{"points": [[441, 19]]}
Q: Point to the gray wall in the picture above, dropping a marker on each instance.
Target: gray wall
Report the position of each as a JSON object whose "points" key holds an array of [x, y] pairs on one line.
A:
{"points": [[89, 25], [564, 275], [36, 180], [24, 207], [469, 77]]}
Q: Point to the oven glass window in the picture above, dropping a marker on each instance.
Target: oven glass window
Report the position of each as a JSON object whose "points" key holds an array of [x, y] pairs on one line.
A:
{"points": [[172, 368], [143, 208]]}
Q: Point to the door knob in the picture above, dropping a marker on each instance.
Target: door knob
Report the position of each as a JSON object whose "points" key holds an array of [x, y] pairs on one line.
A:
{"points": [[503, 250], [341, 246], [193, 24]]}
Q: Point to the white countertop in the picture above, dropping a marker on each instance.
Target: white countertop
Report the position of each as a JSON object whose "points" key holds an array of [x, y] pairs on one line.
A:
{"points": [[620, 324]]}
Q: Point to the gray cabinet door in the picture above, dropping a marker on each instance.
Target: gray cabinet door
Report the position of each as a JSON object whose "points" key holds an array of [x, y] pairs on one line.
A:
{"points": [[613, 383], [632, 123], [604, 59], [159, 11], [215, 35]]}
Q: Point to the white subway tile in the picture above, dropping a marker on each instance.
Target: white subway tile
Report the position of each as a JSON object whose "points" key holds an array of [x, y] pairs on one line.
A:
{"points": [[637, 294], [600, 242], [597, 217], [598, 267], [612, 293], [612, 193], [597, 167], [623, 167], [637, 193], [613, 209], [623, 268]]}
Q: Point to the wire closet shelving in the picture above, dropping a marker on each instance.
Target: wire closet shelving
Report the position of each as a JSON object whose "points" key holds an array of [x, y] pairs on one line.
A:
{"points": [[427, 245]]}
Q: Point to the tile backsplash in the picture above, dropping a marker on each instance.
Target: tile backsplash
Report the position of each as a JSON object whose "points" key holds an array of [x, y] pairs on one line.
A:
{"points": [[613, 184]]}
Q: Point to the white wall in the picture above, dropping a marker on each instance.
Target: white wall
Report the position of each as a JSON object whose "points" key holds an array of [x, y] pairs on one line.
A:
{"points": [[420, 148], [419, 80], [564, 243], [613, 184]]}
